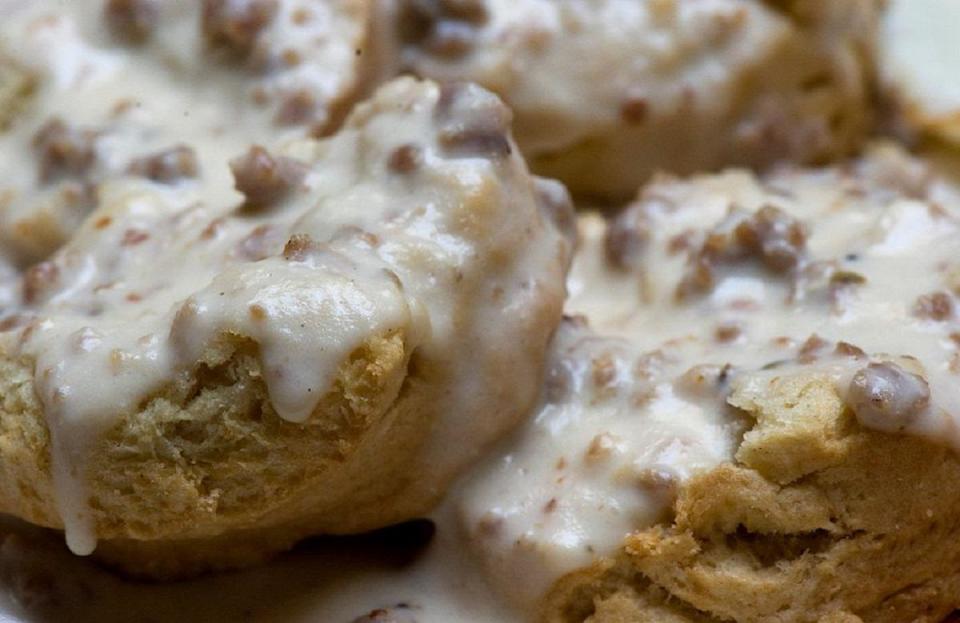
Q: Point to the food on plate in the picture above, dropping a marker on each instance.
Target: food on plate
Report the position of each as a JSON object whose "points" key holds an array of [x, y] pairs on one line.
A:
{"points": [[261, 293], [196, 385]]}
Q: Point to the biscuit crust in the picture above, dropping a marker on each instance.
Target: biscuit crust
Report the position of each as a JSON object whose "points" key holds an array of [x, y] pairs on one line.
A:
{"points": [[865, 532]]}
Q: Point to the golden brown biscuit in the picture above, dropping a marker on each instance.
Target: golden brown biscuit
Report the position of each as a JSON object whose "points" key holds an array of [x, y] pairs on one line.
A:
{"points": [[606, 92], [751, 414], [180, 377], [868, 535]]}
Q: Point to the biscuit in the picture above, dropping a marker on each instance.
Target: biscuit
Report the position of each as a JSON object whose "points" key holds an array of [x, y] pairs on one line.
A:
{"points": [[163, 90], [607, 92], [750, 413], [867, 535], [183, 376]]}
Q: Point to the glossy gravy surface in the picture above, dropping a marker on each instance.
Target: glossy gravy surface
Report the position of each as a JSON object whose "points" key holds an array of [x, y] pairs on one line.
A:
{"points": [[700, 286]]}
